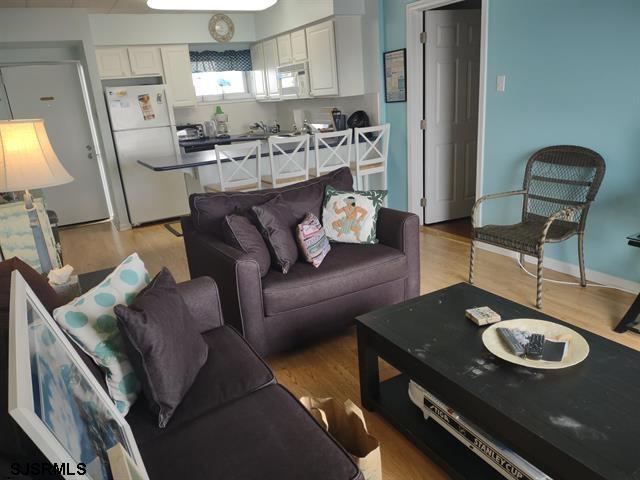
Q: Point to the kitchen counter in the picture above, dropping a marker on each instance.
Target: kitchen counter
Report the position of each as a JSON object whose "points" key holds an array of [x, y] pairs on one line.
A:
{"points": [[209, 143], [204, 155]]}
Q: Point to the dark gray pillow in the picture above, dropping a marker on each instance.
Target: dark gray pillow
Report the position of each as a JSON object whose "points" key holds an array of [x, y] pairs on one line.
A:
{"points": [[163, 345], [240, 233], [277, 223]]}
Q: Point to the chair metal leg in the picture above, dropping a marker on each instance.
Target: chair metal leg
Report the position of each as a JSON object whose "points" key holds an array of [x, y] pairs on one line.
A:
{"points": [[472, 261], [539, 282], [583, 276]]}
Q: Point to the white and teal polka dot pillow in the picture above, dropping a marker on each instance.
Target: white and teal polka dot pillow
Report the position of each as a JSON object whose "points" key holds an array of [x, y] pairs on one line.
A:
{"points": [[91, 322]]}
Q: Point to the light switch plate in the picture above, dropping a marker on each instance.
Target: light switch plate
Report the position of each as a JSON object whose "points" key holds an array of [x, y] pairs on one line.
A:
{"points": [[501, 83]]}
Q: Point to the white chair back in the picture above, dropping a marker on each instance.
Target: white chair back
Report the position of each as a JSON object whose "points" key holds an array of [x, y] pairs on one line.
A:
{"points": [[241, 172], [332, 150], [372, 150], [289, 160]]}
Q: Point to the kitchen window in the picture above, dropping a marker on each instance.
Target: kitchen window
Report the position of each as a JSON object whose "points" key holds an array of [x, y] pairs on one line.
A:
{"points": [[221, 75], [214, 86]]}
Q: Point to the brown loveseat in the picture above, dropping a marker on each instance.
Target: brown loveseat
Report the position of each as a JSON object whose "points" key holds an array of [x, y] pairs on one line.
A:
{"points": [[281, 311]]}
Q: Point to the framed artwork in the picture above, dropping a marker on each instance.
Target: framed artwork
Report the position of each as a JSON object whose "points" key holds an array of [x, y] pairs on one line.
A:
{"points": [[54, 397], [16, 236], [395, 76]]}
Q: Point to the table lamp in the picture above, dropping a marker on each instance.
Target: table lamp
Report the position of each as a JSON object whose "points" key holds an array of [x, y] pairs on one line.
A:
{"points": [[27, 161]]}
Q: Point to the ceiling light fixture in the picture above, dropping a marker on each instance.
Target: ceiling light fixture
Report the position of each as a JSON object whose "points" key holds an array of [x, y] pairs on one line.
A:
{"points": [[208, 5]]}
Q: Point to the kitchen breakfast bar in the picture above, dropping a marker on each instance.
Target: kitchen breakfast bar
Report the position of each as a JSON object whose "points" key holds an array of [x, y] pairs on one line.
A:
{"points": [[198, 159]]}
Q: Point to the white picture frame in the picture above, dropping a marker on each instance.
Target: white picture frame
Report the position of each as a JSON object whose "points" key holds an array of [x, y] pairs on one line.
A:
{"points": [[53, 395]]}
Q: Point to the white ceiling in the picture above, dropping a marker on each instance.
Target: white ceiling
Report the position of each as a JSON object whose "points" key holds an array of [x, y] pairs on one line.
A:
{"points": [[94, 6]]}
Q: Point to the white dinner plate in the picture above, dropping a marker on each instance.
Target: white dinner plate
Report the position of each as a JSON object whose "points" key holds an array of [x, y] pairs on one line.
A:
{"points": [[577, 346]]}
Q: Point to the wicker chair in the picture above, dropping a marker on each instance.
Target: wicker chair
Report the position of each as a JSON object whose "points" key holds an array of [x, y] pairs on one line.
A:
{"points": [[560, 183]]}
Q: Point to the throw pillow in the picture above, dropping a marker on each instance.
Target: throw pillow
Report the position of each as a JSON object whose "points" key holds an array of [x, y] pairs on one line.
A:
{"points": [[163, 344], [90, 321], [312, 240], [240, 233], [277, 222], [350, 217]]}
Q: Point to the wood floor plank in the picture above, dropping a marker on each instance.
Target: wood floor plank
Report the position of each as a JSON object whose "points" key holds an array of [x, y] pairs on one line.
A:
{"points": [[329, 367]]}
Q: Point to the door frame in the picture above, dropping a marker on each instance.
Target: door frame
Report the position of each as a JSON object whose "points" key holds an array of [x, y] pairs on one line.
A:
{"points": [[416, 139], [86, 99]]}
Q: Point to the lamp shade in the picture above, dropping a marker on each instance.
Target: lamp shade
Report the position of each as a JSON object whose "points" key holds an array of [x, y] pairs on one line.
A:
{"points": [[27, 159]]}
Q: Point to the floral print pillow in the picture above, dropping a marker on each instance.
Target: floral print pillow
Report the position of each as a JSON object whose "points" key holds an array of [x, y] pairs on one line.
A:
{"points": [[350, 217]]}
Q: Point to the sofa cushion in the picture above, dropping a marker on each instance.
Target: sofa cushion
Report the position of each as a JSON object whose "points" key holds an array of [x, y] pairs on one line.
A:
{"points": [[209, 209], [312, 240], [264, 435], [240, 233], [90, 321], [162, 343], [231, 371], [346, 269], [277, 221], [351, 217]]}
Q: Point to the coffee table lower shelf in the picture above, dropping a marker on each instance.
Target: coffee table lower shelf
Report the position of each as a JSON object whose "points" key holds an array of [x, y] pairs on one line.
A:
{"points": [[438, 444]]}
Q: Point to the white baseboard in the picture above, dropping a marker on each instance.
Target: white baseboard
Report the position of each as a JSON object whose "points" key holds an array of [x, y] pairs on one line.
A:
{"points": [[570, 269]]}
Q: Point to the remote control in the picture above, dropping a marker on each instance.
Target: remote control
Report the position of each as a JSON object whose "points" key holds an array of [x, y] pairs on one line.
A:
{"points": [[510, 340], [535, 347]]}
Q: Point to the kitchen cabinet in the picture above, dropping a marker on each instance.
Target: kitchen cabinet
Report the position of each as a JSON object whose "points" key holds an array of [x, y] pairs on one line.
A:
{"points": [[145, 61], [321, 49], [271, 63], [299, 46], [284, 49], [177, 74], [113, 62], [258, 73]]}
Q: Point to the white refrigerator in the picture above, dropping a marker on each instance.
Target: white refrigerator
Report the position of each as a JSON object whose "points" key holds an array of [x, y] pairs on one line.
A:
{"points": [[144, 129]]}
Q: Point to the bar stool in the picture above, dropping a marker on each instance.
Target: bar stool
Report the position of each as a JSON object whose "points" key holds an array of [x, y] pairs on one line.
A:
{"points": [[372, 149], [332, 151], [240, 176], [288, 165]]}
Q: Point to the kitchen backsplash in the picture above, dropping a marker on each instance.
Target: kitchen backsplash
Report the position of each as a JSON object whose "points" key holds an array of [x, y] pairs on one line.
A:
{"points": [[317, 108], [242, 114]]}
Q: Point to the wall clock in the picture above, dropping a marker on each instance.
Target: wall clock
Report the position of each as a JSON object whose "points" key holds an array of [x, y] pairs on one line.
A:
{"points": [[221, 28]]}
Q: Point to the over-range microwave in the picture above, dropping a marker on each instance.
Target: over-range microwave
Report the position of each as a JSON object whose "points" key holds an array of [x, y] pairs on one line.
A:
{"points": [[294, 80]]}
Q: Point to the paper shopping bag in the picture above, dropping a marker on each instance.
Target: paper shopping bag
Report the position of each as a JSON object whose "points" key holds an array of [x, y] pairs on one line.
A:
{"points": [[347, 425]]}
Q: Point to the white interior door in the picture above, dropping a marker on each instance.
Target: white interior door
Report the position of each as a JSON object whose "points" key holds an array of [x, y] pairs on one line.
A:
{"points": [[451, 76], [54, 93]]}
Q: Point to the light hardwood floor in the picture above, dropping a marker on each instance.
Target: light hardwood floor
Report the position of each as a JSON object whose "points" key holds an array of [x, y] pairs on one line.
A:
{"points": [[329, 368]]}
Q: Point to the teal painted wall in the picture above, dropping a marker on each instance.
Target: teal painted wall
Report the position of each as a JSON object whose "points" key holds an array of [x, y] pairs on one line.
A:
{"points": [[394, 35], [572, 72], [572, 77]]}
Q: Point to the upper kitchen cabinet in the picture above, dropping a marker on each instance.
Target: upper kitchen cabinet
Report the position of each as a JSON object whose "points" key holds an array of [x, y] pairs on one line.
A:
{"points": [[113, 62], [124, 62], [145, 61], [177, 74], [298, 46], [323, 70], [258, 73], [271, 63], [284, 49]]}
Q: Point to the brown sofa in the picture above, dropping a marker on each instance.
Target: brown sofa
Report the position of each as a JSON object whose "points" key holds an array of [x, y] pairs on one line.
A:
{"points": [[235, 422], [278, 312]]}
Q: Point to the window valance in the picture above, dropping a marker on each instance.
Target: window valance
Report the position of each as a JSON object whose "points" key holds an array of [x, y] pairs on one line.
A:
{"points": [[212, 61]]}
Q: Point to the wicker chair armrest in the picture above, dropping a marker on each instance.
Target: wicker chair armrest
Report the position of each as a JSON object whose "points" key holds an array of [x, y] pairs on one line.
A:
{"points": [[491, 196], [564, 214]]}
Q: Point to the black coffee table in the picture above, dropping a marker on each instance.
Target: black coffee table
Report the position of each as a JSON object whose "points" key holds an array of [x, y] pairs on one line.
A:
{"points": [[582, 422]]}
